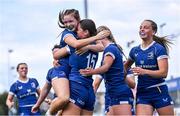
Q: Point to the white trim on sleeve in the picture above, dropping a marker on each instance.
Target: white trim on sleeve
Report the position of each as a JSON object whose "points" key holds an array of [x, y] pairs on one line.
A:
{"points": [[111, 54], [162, 57]]}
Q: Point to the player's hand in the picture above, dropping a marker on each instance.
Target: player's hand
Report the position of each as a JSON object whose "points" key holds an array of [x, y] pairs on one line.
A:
{"points": [[48, 101], [138, 71], [10, 105], [103, 34], [35, 108], [86, 72]]}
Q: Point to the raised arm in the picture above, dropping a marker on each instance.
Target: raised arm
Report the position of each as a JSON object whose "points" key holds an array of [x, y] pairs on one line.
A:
{"points": [[73, 42], [98, 47]]}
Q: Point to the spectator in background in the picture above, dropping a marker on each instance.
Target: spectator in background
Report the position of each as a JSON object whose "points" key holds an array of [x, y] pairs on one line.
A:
{"points": [[26, 90]]}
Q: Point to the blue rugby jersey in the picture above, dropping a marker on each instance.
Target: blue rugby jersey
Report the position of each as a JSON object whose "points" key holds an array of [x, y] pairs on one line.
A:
{"points": [[114, 77], [148, 59], [65, 33], [25, 91]]}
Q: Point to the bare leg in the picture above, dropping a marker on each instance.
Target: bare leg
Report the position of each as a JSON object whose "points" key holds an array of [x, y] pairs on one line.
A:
{"points": [[61, 88], [86, 112], [123, 109], [144, 109], [71, 109], [168, 110]]}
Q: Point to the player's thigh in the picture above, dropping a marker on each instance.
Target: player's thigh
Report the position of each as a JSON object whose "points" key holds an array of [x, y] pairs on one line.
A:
{"points": [[144, 109], [167, 110], [122, 109], [86, 112], [71, 109], [61, 87]]}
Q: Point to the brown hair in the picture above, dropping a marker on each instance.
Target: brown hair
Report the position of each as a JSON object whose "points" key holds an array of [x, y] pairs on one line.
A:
{"points": [[74, 12], [164, 41], [88, 24], [19, 65]]}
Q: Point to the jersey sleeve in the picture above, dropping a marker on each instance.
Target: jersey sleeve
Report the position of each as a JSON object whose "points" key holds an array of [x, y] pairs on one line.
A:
{"points": [[131, 54], [36, 83], [67, 33], [161, 53], [13, 89], [49, 75], [109, 51]]}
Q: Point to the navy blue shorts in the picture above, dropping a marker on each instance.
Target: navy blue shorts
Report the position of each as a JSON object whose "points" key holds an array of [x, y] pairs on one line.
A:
{"points": [[82, 96], [122, 100], [157, 97], [26, 111], [58, 72]]}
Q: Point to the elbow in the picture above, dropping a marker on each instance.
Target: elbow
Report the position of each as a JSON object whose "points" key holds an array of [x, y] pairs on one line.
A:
{"points": [[133, 86], [55, 57], [164, 74], [101, 48]]}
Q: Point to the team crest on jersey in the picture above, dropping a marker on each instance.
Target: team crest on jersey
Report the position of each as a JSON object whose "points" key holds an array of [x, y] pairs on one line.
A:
{"points": [[20, 87], [150, 55], [33, 85]]}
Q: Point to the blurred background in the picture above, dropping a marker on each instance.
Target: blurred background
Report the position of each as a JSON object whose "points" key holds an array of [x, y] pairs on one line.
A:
{"points": [[29, 29]]}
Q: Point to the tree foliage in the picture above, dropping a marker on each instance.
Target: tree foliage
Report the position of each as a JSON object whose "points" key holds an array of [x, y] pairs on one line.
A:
{"points": [[3, 107]]}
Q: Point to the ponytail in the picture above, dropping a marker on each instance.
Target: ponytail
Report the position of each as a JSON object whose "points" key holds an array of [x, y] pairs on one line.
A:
{"points": [[161, 40], [164, 41], [111, 38]]}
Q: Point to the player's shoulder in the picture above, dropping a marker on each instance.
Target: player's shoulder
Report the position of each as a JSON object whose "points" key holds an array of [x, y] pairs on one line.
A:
{"points": [[157, 45], [136, 48], [111, 47], [32, 79]]}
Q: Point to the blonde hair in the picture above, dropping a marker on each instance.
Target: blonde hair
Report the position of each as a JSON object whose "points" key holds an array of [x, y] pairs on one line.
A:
{"points": [[111, 38]]}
